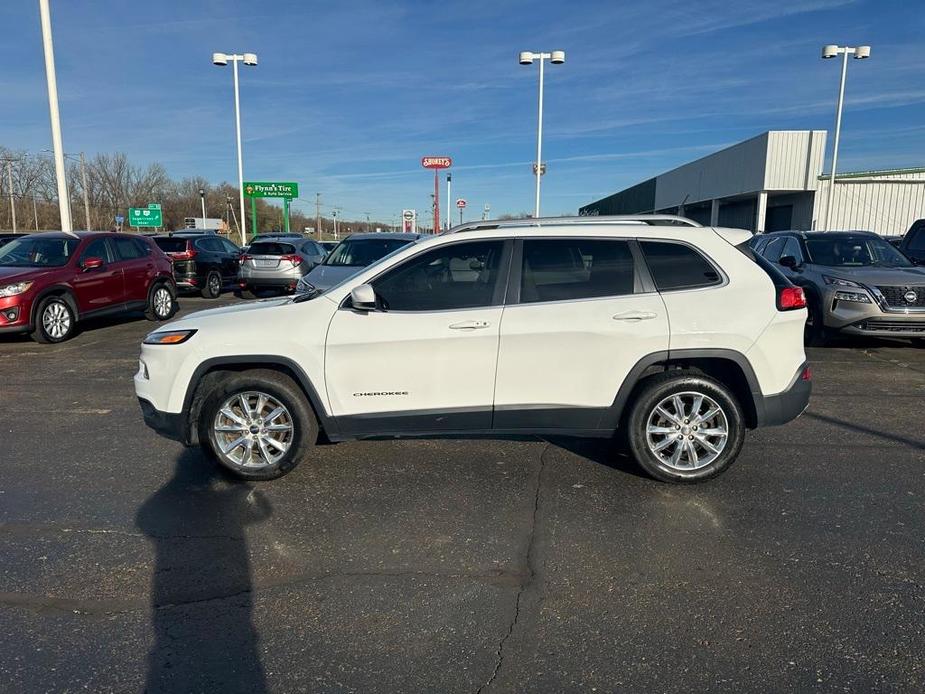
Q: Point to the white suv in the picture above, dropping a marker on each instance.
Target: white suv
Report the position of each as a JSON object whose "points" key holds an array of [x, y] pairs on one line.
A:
{"points": [[670, 333]]}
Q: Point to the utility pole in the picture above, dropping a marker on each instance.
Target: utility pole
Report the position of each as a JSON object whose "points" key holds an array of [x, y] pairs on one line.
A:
{"points": [[83, 178], [486, 212], [367, 222], [318, 214], [9, 175], [35, 213], [449, 196]]}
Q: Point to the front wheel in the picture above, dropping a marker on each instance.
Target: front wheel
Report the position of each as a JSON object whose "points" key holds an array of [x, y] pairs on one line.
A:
{"points": [[685, 428], [257, 424], [161, 304], [55, 321]]}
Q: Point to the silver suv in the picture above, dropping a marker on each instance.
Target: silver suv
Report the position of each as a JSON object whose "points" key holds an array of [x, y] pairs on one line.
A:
{"points": [[277, 263], [855, 282]]}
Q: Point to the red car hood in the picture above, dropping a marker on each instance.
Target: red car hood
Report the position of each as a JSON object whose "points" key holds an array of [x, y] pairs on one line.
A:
{"points": [[8, 275]]}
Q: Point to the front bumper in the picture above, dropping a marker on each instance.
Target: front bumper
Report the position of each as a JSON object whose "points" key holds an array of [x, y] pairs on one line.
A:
{"points": [[15, 314], [168, 425], [874, 319], [783, 407], [889, 325]]}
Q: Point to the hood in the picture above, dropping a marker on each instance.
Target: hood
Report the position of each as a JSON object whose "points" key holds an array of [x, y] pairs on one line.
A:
{"points": [[902, 276], [323, 277], [9, 275], [242, 308]]}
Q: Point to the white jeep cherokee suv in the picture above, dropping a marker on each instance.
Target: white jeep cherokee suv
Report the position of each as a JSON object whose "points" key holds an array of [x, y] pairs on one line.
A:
{"points": [[670, 333]]}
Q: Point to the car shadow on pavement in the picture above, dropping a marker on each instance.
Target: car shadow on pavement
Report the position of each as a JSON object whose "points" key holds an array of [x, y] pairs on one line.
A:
{"points": [[920, 444], [202, 590], [610, 452]]}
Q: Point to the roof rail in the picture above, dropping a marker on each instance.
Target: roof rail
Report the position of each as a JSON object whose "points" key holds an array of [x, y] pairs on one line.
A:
{"points": [[649, 219]]}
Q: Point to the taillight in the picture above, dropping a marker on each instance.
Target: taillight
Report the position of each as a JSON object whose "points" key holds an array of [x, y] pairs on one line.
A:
{"points": [[790, 298], [294, 259], [807, 374], [245, 257], [188, 254]]}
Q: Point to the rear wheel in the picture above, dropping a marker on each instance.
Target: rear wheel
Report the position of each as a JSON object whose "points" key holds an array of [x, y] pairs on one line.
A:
{"points": [[161, 303], [212, 288], [258, 424], [54, 321], [685, 428]]}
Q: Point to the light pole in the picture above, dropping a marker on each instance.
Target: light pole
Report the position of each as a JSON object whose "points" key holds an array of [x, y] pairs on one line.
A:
{"points": [[52, 80], [830, 51], [202, 201], [527, 58], [9, 174], [83, 180], [449, 210], [222, 59]]}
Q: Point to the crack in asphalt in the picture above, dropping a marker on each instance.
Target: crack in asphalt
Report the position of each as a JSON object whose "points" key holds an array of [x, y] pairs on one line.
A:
{"points": [[893, 362], [531, 574]]}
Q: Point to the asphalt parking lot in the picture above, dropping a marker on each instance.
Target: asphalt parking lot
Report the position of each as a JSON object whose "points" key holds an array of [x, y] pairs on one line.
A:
{"points": [[129, 563]]}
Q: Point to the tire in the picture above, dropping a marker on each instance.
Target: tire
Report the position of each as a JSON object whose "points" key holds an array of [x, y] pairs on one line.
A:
{"points": [[212, 288], [54, 321], [162, 303], [814, 334], [648, 428], [254, 456]]}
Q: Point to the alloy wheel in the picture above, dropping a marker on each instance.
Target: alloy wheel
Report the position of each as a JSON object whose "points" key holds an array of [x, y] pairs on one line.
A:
{"points": [[253, 429], [215, 285], [163, 302], [56, 320], [687, 431]]}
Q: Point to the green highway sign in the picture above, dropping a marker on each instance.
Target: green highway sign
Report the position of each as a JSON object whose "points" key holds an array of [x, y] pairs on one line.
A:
{"points": [[270, 189], [154, 206], [150, 216]]}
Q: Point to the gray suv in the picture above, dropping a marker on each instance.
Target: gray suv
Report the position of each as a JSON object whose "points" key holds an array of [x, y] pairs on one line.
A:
{"points": [[855, 282], [277, 263]]}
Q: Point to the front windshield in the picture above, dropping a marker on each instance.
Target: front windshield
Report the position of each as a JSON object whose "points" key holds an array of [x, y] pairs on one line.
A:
{"points": [[35, 251], [854, 251], [363, 252]]}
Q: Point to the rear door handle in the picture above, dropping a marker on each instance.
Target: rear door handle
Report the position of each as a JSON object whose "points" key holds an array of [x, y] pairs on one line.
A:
{"points": [[635, 316], [470, 325]]}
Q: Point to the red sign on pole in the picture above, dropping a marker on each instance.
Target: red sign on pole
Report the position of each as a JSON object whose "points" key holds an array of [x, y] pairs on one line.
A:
{"points": [[460, 203], [436, 162]]}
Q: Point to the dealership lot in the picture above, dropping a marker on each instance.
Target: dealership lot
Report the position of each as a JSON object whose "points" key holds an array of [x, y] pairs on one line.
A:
{"points": [[129, 562]]}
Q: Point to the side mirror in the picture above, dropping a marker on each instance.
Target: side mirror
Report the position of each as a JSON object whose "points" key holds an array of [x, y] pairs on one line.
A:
{"points": [[91, 263], [363, 298], [788, 261]]}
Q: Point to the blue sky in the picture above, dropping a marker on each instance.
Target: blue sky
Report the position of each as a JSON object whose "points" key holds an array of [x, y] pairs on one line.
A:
{"points": [[349, 95]]}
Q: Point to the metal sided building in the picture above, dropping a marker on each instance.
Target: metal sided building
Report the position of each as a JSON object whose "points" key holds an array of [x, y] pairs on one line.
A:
{"points": [[775, 181]]}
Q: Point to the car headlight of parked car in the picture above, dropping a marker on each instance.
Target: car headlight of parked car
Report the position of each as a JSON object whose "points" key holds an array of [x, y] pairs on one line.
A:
{"points": [[169, 337], [859, 297], [839, 282], [14, 289]]}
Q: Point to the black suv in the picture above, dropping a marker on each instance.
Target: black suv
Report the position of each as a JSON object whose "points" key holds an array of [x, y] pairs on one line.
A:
{"points": [[913, 243], [202, 262]]}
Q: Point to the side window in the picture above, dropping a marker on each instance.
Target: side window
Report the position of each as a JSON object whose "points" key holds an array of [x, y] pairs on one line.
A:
{"points": [[773, 249], [213, 245], [463, 275], [792, 247], [127, 249], [228, 246], [758, 243], [143, 247], [570, 269], [97, 248], [676, 266]]}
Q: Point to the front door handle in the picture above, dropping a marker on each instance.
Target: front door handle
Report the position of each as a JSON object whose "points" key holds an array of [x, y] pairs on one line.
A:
{"points": [[470, 325], [635, 316]]}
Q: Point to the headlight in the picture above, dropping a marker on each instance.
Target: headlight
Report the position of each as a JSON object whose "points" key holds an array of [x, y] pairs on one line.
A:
{"points": [[859, 297], [14, 289], [169, 337], [839, 282]]}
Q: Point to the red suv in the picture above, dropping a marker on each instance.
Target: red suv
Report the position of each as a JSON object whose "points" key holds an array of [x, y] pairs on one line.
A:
{"points": [[50, 281]]}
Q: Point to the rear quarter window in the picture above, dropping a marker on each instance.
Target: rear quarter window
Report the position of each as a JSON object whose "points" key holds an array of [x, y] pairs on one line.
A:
{"points": [[169, 245], [675, 266]]}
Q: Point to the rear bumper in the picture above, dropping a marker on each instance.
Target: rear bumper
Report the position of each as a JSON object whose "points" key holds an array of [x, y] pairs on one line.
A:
{"points": [[169, 425], [774, 410]]}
